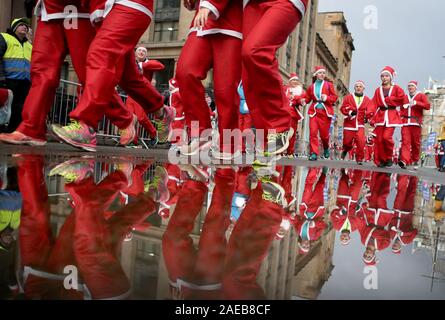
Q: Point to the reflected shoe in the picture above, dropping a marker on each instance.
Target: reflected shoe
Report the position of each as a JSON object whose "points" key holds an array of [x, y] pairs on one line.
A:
{"points": [[128, 134], [360, 163], [326, 154], [262, 170], [277, 143], [195, 172], [74, 171], [195, 145], [273, 192], [313, 157], [126, 167], [19, 138], [77, 134], [158, 186], [164, 125]]}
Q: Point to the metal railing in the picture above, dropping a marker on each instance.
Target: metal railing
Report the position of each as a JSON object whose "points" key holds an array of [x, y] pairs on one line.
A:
{"points": [[66, 99]]}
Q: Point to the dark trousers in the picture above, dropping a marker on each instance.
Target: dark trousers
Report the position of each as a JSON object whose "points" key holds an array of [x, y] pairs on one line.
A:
{"points": [[20, 89]]}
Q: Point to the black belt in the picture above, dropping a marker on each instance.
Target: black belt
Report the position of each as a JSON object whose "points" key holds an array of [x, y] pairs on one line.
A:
{"points": [[387, 108]]}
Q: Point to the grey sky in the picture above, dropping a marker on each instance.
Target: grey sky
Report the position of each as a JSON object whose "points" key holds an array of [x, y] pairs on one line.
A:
{"points": [[409, 37]]}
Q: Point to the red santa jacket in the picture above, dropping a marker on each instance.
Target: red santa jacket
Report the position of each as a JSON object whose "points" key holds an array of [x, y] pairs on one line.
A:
{"points": [[339, 217], [300, 5], [314, 228], [329, 91], [99, 9], [412, 112], [383, 110], [401, 227], [229, 18], [349, 105], [149, 67], [295, 97], [382, 237], [61, 9]]}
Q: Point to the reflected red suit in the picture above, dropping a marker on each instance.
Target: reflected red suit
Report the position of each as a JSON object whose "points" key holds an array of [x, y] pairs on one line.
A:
{"points": [[404, 210], [198, 273], [347, 196], [313, 195], [375, 214], [248, 246]]}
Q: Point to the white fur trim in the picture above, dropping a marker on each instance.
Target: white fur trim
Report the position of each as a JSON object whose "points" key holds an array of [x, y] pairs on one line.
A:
{"points": [[211, 7]]}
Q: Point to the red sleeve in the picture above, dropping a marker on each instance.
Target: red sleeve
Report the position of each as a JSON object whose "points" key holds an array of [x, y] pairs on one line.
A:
{"points": [[153, 65], [424, 102], [372, 107], [347, 106], [398, 99], [332, 96]]}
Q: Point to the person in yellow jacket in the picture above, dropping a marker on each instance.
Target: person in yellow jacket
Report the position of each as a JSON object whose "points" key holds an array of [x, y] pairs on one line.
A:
{"points": [[15, 66]]}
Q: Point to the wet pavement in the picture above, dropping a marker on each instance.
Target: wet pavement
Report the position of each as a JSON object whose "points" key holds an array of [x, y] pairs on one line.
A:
{"points": [[127, 224]]}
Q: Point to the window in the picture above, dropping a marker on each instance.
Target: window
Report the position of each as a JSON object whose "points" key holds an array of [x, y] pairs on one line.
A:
{"points": [[166, 31], [167, 10], [288, 52]]}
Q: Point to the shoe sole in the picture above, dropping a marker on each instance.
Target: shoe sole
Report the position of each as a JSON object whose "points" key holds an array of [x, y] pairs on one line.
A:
{"points": [[231, 157], [75, 144], [282, 191], [286, 145], [165, 186], [28, 143]]}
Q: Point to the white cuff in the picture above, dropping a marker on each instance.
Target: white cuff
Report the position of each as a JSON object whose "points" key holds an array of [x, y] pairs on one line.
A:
{"points": [[211, 7]]}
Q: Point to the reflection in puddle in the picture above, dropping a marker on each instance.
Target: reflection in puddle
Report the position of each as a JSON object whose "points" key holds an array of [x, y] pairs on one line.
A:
{"points": [[115, 229]]}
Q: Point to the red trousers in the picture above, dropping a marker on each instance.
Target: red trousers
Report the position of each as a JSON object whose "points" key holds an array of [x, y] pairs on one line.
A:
{"points": [[266, 27], [198, 56], [406, 193], [97, 241], [380, 188], [249, 244], [39, 249], [411, 144], [355, 137], [3, 96], [52, 43], [319, 125], [384, 144], [110, 62], [313, 194]]}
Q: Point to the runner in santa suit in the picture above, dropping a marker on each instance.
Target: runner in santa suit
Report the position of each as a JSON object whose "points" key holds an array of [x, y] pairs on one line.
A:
{"points": [[60, 31], [343, 217], [376, 217], [369, 148], [385, 117], [174, 185], [296, 97], [214, 41], [401, 226], [321, 96], [110, 62], [175, 101], [412, 118], [249, 243], [309, 223], [354, 108], [266, 27]]}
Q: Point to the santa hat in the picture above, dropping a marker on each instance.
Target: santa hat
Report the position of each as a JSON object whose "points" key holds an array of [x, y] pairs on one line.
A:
{"points": [[389, 70], [413, 83], [319, 69], [172, 83], [361, 82], [293, 76]]}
